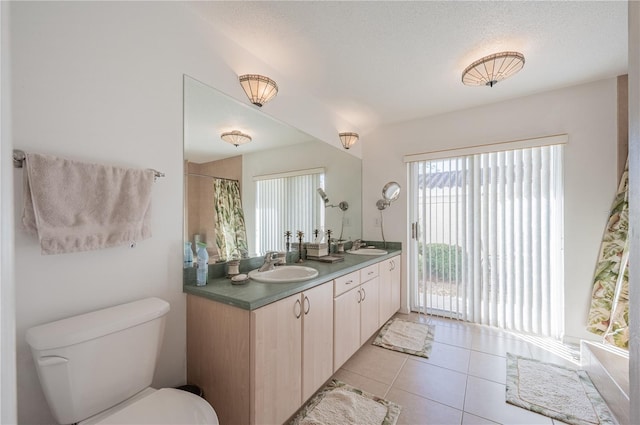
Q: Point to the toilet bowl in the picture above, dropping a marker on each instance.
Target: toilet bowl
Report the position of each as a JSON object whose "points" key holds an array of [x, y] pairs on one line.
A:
{"points": [[97, 368], [163, 406]]}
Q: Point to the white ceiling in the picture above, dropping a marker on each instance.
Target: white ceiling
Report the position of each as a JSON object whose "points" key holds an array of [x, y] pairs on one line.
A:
{"points": [[383, 62]]}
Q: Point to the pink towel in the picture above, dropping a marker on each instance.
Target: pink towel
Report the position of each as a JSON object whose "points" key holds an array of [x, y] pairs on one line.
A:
{"points": [[74, 206]]}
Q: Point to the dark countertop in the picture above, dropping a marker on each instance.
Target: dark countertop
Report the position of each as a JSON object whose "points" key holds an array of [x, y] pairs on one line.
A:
{"points": [[253, 294]]}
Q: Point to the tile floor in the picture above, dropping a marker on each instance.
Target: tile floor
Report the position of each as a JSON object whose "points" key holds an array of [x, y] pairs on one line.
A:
{"points": [[462, 382]]}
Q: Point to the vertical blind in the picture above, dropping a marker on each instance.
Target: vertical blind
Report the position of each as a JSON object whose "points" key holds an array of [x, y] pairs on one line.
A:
{"points": [[287, 203], [488, 238]]}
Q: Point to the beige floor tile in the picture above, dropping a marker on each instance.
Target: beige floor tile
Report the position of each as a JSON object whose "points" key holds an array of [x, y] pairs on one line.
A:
{"points": [[376, 363], [499, 346], [438, 390], [469, 419], [487, 399], [493, 331], [418, 410], [447, 356], [460, 337], [432, 382], [488, 366], [362, 382], [556, 354], [452, 332]]}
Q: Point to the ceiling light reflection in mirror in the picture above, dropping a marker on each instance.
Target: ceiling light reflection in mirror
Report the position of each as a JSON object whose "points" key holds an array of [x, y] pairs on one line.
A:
{"points": [[209, 113]]}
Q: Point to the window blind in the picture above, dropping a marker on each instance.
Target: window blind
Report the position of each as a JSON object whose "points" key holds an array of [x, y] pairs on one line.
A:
{"points": [[287, 203], [488, 238]]}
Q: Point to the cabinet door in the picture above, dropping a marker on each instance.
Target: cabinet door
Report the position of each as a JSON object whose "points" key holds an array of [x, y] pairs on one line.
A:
{"points": [[369, 309], [346, 326], [396, 279], [317, 338], [384, 305], [276, 384]]}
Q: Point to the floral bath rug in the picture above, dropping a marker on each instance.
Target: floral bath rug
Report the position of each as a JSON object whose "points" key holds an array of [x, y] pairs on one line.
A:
{"points": [[339, 403], [567, 395], [407, 337]]}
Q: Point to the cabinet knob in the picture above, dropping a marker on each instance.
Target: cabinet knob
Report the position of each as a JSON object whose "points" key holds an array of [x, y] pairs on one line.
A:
{"points": [[297, 309], [359, 295], [364, 294], [307, 305]]}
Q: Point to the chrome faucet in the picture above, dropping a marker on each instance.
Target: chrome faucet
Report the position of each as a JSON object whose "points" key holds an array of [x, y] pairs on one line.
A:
{"points": [[357, 244], [270, 259]]}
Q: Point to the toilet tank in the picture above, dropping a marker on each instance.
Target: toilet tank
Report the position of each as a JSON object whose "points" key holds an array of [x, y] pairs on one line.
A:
{"points": [[91, 362]]}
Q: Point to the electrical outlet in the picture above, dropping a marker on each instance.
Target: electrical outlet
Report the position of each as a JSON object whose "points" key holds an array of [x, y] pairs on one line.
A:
{"points": [[376, 222], [346, 222]]}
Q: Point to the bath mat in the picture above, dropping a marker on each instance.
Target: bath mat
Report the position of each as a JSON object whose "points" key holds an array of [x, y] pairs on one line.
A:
{"points": [[406, 337], [555, 391], [339, 403]]}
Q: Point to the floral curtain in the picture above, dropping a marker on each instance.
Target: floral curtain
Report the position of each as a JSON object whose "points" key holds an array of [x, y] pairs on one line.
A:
{"points": [[608, 315], [231, 233]]}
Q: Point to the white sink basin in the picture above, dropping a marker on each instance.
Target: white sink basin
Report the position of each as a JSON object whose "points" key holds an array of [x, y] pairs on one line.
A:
{"points": [[367, 251], [284, 274]]}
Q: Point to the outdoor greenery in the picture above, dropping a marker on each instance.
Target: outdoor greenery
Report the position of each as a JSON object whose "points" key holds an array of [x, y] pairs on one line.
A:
{"points": [[444, 262]]}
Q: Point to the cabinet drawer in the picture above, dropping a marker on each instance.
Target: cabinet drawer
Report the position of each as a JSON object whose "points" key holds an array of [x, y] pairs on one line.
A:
{"points": [[368, 272], [343, 283]]}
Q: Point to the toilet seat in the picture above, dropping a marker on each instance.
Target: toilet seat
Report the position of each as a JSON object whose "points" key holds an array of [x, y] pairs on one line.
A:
{"points": [[164, 406]]}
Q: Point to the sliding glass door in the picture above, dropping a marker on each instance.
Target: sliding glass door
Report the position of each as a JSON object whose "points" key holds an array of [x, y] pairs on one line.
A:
{"points": [[487, 238]]}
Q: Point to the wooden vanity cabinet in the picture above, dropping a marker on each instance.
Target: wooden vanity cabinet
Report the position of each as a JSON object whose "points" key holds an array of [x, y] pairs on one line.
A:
{"points": [[369, 309], [258, 367], [389, 288], [317, 338], [276, 366], [218, 356], [355, 313], [346, 326]]}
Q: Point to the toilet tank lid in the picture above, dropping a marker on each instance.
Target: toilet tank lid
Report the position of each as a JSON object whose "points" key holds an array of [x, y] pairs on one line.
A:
{"points": [[84, 327]]}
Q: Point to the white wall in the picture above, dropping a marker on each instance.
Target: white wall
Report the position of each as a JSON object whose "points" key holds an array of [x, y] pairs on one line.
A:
{"points": [[587, 113], [8, 402], [102, 82]]}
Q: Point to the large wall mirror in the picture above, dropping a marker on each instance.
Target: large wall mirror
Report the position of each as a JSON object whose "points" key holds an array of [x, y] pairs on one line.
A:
{"points": [[229, 190]]}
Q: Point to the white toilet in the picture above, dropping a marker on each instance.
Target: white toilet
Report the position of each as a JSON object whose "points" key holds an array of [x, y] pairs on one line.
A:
{"points": [[96, 368]]}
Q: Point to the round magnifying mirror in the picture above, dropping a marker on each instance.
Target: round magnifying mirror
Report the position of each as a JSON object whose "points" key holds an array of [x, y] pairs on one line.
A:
{"points": [[391, 191]]}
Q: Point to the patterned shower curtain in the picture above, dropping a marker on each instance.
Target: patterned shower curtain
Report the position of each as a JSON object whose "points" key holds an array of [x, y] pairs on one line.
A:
{"points": [[231, 233], [609, 312]]}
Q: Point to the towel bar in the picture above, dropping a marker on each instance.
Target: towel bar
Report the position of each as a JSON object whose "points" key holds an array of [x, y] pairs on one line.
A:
{"points": [[19, 157]]}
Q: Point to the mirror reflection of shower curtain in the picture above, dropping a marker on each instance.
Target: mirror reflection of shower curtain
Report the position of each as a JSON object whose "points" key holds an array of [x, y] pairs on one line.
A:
{"points": [[231, 233], [609, 312]]}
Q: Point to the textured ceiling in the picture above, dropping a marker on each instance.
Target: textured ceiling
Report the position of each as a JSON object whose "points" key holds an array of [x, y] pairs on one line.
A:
{"points": [[376, 63]]}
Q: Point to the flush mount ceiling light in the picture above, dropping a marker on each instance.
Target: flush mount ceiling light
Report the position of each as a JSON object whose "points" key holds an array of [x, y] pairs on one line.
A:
{"points": [[235, 137], [348, 139], [259, 89], [493, 68]]}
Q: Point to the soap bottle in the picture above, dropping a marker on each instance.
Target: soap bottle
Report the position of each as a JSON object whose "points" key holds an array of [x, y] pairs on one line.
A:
{"points": [[188, 255], [202, 273]]}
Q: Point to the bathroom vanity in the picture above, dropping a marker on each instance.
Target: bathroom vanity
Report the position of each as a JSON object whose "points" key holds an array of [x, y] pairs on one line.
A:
{"points": [[259, 351]]}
